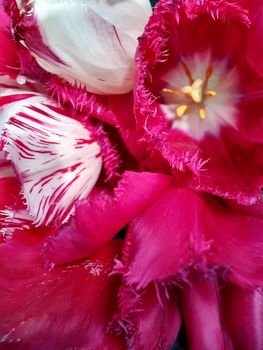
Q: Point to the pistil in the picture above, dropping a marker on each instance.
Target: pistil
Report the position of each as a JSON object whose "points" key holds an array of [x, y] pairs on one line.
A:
{"points": [[193, 94]]}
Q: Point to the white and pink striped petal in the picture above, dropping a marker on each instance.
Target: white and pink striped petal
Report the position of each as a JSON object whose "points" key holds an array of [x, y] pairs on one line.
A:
{"points": [[88, 43], [57, 160], [12, 220]]}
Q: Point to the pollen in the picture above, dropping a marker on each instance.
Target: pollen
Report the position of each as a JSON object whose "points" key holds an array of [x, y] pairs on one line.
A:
{"points": [[202, 113], [180, 111], [211, 93]]}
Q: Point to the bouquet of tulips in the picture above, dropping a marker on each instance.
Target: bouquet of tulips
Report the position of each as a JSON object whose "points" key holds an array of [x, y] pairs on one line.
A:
{"points": [[131, 170]]}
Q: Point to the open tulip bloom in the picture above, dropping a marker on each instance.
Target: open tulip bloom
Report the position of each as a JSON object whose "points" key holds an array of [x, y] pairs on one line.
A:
{"points": [[131, 171]]}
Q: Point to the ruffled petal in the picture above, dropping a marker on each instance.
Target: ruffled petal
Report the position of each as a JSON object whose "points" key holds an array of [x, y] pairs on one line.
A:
{"points": [[172, 224], [103, 215], [90, 44], [192, 230], [57, 160], [233, 168], [69, 307], [148, 319]]}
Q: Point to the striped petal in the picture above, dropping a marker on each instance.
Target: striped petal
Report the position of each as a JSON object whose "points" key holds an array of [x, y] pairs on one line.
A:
{"points": [[55, 157], [88, 43], [12, 220], [6, 169]]}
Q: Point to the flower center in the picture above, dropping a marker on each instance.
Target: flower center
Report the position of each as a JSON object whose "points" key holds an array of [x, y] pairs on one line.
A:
{"points": [[200, 95], [193, 94]]}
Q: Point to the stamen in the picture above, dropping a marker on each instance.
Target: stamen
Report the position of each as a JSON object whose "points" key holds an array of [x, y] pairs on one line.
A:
{"points": [[180, 111], [171, 91], [208, 74], [202, 113], [211, 93], [192, 96], [187, 72]]}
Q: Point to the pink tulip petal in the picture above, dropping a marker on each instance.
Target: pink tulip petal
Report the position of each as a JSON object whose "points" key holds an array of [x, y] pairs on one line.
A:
{"points": [[9, 188], [255, 210], [233, 169], [253, 6], [67, 308], [242, 311], [148, 319], [8, 57], [191, 229], [99, 219], [201, 315], [172, 224], [236, 244], [255, 45]]}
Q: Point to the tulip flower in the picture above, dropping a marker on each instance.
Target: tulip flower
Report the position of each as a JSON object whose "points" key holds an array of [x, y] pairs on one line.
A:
{"points": [[198, 94], [131, 175]]}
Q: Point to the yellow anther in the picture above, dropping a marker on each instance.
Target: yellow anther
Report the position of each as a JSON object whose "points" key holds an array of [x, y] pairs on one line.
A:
{"points": [[191, 98], [195, 91], [211, 93], [202, 113], [180, 111]]}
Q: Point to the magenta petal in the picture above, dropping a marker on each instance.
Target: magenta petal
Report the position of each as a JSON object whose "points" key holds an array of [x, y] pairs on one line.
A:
{"points": [[66, 308], [8, 58], [255, 44], [230, 171], [252, 6], [166, 238], [243, 316], [236, 244], [192, 228], [149, 319], [255, 210], [201, 314], [9, 190], [99, 218]]}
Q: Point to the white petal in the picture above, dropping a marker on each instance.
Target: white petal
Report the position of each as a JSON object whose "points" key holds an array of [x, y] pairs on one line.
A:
{"points": [[57, 161], [90, 43]]}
